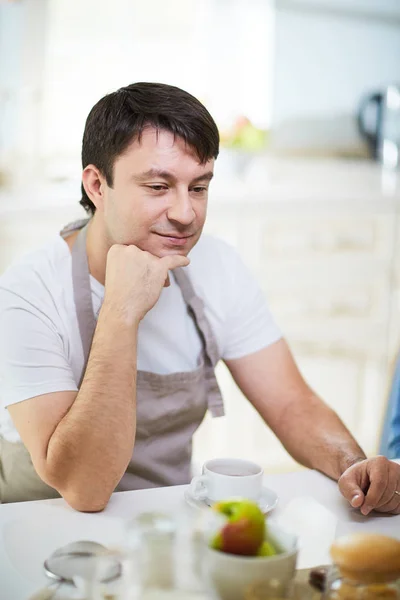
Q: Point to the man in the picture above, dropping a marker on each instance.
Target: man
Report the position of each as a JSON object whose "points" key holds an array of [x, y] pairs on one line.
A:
{"points": [[109, 337]]}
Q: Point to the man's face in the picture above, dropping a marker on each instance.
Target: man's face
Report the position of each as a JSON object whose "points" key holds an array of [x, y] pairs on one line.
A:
{"points": [[158, 201]]}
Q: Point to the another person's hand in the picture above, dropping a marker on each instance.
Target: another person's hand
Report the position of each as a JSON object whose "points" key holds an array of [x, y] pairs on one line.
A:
{"points": [[372, 484], [134, 280]]}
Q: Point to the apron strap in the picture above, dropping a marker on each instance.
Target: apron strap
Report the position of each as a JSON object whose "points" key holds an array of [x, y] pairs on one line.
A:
{"points": [[196, 307], [81, 287], [74, 226]]}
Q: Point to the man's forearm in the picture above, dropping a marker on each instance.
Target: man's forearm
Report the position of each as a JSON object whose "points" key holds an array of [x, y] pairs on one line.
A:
{"points": [[315, 436], [92, 445], [310, 431]]}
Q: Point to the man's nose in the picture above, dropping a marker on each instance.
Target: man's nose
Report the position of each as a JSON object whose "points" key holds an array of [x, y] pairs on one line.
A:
{"points": [[181, 209]]}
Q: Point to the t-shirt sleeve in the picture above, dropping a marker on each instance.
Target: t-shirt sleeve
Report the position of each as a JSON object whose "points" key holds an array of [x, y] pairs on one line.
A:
{"points": [[249, 324], [33, 360]]}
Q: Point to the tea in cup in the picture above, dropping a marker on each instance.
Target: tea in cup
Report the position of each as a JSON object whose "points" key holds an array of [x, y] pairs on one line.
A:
{"points": [[224, 478]]}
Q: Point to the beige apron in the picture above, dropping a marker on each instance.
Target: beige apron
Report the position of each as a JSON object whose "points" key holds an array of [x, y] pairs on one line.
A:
{"points": [[169, 407]]}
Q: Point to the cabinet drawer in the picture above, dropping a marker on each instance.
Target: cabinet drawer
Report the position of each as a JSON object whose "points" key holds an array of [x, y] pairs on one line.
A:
{"points": [[341, 340], [369, 302], [305, 236]]}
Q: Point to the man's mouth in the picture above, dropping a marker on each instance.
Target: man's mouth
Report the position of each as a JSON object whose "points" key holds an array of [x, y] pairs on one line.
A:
{"points": [[175, 239]]}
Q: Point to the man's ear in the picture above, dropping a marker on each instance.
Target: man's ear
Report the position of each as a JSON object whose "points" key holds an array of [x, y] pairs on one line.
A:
{"points": [[94, 183]]}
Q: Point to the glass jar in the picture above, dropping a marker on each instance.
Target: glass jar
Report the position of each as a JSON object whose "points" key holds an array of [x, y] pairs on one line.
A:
{"points": [[348, 589], [168, 554], [366, 567]]}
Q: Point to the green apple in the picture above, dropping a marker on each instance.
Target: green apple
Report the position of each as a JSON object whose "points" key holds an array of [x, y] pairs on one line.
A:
{"points": [[266, 549], [245, 528]]}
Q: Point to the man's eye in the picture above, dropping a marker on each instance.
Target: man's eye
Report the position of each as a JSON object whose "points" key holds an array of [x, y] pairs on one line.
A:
{"points": [[157, 187], [199, 189]]}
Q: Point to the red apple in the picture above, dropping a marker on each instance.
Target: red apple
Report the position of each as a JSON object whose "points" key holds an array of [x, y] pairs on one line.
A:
{"points": [[245, 528]]}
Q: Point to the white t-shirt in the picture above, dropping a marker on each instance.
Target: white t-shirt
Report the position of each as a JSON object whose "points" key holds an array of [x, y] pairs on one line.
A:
{"points": [[40, 346]]}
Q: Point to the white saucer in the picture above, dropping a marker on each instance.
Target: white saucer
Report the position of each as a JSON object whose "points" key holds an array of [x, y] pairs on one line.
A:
{"points": [[267, 501]]}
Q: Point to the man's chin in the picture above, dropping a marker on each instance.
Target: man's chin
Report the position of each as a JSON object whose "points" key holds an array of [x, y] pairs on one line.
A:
{"points": [[161, 252]]}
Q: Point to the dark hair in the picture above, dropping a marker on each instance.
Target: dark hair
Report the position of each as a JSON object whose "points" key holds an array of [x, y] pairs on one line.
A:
{"points": [[120, 118]]}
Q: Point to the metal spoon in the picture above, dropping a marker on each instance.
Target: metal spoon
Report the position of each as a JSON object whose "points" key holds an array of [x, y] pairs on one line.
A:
{"points": [[65, 563]]}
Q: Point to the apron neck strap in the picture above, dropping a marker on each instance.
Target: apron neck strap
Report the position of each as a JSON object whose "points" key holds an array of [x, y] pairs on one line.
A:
{"points": [[83, 292], [74, 226], [196, 306]]}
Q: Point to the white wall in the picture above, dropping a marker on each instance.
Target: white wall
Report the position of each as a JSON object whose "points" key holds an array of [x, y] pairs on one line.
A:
{"points": [[329, 54], [219, 50], [23, 30], [10, 69], [63, 56]]}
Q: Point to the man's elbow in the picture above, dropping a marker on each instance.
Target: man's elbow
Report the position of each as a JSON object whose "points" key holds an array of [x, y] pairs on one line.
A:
{"points": [[85, 497], [82, 496], [83, 488], [84, 502]]}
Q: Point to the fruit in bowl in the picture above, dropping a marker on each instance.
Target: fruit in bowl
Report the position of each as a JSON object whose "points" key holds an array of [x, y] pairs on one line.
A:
{"points": [[245, 530], [244, 552]]}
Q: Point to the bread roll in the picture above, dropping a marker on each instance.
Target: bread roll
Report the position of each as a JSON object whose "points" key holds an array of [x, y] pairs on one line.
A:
{"points": [[367, 557]]}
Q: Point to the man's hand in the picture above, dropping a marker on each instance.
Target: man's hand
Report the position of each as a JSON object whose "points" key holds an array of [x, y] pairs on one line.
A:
{"points": [[371, 484], [134, 280]]}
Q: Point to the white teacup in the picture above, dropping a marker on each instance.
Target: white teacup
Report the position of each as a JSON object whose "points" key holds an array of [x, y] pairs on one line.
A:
{"points": [[228, 478]]}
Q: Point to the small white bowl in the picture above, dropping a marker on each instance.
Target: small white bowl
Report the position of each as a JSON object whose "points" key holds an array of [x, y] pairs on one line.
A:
{"points": [[232, 577]]}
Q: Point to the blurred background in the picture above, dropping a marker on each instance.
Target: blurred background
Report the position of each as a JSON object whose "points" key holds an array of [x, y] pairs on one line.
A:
{"points": [[306, 95]]}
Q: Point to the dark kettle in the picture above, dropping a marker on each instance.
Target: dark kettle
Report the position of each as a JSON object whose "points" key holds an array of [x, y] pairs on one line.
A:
{"points": [[371, 131], [379, 122]]}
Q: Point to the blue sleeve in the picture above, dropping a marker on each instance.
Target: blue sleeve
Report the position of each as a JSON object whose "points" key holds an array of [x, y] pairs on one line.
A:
{"points": [[390, 441]]}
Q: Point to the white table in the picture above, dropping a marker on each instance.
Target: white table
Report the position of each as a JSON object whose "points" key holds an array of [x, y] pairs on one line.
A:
{"points": [[309, 505]]}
